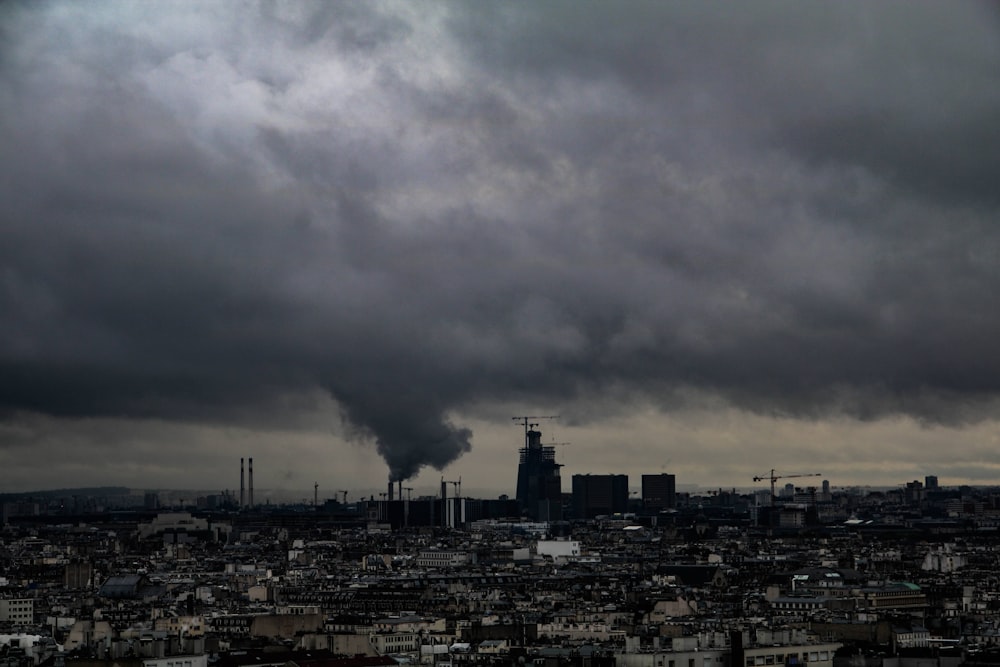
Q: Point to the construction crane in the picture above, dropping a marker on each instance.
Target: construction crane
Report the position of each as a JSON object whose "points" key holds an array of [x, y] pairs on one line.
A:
{"points": [[526, 420], [344, 491], [457, 485], [774, 478], [408, 489]]}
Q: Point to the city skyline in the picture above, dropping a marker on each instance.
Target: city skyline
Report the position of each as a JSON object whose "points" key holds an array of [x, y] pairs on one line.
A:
{"points": [[229, 498], [278, 485], [353, 240]]}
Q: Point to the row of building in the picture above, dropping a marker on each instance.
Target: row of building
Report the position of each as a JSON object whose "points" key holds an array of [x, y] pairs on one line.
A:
{"points": [[887, 585]]}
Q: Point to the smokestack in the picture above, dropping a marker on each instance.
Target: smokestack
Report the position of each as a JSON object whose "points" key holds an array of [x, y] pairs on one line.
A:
{"points": [[388, 495], [400, 489], [444, 503], [250, 471], [242, 485]]}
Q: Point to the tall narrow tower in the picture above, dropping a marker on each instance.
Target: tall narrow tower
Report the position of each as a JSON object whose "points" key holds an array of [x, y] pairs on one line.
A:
{"points": [[250, 473], [539, 486], [447, 515], [242, 485]]}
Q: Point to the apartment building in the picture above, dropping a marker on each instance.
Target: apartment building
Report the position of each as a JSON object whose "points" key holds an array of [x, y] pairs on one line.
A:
{"points": [[17, 610]]}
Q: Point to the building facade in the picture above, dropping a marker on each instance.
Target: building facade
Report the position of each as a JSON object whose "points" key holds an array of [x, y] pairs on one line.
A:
{"points": [[659, 492], [17, 610], [599, 495], [539, 486]]}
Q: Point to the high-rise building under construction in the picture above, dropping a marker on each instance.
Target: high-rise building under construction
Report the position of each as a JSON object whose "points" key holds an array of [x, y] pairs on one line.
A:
{"points": [[539, 487]]}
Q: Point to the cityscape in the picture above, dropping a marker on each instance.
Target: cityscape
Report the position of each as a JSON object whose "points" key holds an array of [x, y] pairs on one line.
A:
{"points": [[799, 573], [551, 333]]}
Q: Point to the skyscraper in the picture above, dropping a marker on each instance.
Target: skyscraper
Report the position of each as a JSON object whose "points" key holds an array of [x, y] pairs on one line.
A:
{"points": [[539, 487], [596, 495], [659, 492]]}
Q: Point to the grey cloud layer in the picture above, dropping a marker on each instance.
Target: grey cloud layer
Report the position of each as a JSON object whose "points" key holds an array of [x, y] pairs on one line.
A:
{"points": [[207, 212]]}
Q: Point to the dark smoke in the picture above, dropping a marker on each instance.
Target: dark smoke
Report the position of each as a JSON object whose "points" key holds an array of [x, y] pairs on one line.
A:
{"points": [[409, 430]]}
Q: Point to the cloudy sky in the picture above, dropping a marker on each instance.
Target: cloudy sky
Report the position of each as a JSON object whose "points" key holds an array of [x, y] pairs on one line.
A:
{"points": [[352, 240]]}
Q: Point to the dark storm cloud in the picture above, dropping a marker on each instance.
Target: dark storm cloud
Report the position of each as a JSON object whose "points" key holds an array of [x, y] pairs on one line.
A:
{"points": [[418, 213]]}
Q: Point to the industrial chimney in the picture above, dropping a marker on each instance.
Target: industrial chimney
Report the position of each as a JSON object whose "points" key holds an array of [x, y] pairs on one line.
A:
{"points": [[242, 485], [250, 472]]}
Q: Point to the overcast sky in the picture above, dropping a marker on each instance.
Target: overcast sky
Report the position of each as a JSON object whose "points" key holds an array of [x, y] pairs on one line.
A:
{"points": [[352, 240]]}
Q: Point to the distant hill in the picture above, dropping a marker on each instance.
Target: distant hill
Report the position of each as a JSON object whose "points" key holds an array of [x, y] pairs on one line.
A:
{"points": [[100, 491]]}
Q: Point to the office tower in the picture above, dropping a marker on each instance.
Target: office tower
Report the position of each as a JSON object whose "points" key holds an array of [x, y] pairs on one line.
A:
{"points": [[597, 495], [659, 492], [539, 487], [931, 483]]}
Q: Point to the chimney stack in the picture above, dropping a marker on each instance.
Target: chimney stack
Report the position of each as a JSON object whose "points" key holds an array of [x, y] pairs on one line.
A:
{"points": [[250, 471], [242, 484], [389, 494]]}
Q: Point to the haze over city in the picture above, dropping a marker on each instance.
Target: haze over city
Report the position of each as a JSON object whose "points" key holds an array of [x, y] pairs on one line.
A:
{"points": [[353, 240]]}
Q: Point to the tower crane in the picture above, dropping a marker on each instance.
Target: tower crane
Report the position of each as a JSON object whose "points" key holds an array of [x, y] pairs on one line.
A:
{"points": [[526, 420], [344, 491], [457, 484], [774, 478], [408, 489]]}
